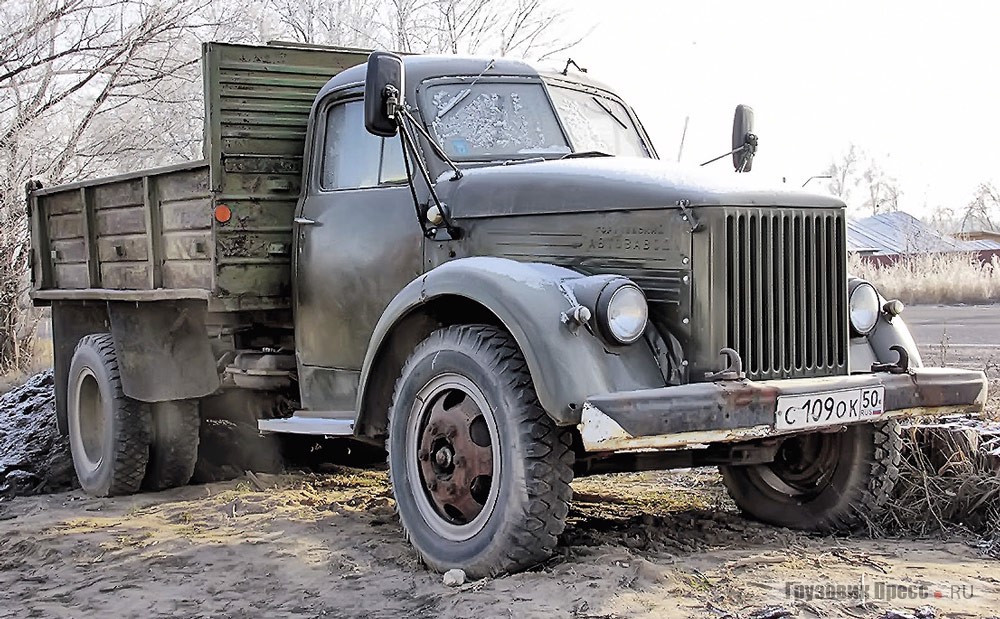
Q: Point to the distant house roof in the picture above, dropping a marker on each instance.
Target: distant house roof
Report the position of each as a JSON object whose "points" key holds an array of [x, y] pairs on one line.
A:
{"points": [[978, 235], [902, 233]]}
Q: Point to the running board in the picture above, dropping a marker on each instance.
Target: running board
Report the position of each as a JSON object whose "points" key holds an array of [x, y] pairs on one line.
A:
{"points": [[308, 425]]}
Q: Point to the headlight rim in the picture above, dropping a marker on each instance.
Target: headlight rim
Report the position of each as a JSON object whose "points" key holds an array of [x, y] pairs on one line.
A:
{"points": [[877, 308], [601, 313]]}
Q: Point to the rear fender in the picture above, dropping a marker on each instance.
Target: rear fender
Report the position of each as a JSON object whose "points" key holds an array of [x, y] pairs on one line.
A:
{"points": [[163, 350], [567, 364]]}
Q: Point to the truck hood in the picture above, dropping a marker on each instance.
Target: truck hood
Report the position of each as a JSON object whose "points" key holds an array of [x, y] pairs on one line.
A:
{"points": [[609, 183]]}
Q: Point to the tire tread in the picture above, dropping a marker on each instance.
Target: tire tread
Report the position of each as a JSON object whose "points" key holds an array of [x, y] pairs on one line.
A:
{"points": [[547, 449], [133, 432]]}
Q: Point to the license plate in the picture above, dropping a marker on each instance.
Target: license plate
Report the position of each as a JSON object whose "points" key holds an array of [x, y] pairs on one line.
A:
{"points": [[828, 409]]}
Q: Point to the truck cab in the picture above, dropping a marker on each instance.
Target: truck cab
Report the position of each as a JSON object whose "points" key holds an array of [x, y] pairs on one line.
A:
{"points": [[484, 267]]}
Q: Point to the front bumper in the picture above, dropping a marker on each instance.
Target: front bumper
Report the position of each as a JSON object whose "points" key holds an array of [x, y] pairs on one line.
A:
{"points": [[730, 411]]}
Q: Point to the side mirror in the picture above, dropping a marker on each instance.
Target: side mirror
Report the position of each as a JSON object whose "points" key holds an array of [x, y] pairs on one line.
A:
{"points": [[744, 139], [383, 93]]}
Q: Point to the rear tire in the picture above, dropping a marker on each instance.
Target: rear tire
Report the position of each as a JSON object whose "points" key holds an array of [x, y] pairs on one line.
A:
{"points": [[109, 432], [480, 473], [821, 481], [174, 449]]}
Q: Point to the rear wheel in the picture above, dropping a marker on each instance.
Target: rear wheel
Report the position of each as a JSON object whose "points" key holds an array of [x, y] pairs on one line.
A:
{"points": [[821, 481], [109, 432], [174, 449], [480, 473]]}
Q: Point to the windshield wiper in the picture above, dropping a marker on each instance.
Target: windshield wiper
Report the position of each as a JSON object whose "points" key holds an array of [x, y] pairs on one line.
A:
{"points": [[465, 93], [586, 153], [610, 113]]}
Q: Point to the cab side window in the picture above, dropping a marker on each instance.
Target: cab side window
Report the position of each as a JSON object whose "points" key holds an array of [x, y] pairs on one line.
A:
{"points": [[393, 168], [354, 158]]}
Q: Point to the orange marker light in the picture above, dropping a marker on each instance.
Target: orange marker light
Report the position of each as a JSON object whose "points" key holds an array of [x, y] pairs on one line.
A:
{"points": [[223, 213]]}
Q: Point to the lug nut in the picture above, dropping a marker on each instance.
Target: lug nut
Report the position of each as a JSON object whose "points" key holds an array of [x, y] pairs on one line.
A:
{"points": [[451, 433]]}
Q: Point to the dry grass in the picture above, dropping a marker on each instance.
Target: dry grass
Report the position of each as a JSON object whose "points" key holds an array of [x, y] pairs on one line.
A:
{"points": [[41, 359], [949, 481], [933, 278]]}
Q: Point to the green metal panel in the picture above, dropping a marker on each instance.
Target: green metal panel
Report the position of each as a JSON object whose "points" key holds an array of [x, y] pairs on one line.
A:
{"points": [[257, 104]]}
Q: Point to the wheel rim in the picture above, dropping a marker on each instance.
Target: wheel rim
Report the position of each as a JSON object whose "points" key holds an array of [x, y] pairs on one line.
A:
{"points": [[803, 466], [453, 457], [90, 418]]}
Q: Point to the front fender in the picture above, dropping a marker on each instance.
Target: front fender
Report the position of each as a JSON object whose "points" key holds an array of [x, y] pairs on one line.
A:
{"points": [[566, 365], [876, 347]]}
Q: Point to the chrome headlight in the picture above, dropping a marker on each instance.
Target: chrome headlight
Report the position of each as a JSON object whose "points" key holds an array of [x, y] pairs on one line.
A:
{"points": [[864, 305], [622, 313]]}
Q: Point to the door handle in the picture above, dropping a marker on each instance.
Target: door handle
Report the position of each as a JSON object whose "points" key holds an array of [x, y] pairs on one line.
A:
{"points": [[302, 221]]}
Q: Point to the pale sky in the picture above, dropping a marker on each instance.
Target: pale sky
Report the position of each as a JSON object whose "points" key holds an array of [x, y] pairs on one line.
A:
{"points": [[916, 83]]}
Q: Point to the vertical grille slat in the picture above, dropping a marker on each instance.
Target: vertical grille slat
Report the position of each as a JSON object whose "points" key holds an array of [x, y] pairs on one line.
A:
{"points": [[786, 286], [823, 346]]}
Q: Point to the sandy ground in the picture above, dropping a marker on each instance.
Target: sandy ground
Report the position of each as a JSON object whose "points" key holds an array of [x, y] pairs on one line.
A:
{"points": [[639, 545], [328, 545]]}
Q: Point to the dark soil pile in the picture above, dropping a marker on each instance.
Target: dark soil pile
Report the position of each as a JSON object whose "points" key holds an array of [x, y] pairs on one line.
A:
{"points": [[34, 457]]}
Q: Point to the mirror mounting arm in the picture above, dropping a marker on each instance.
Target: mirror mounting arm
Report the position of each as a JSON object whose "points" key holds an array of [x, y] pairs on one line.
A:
{"points": [[442, 215], [405, 115], [749, 149], [722, 156], [391, 94]]}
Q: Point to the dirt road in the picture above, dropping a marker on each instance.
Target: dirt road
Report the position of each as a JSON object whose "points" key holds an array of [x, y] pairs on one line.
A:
{"points": [[307, 545], [642, 545]]}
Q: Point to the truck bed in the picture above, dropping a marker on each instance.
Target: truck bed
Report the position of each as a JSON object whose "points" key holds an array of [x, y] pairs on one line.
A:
{"points": [[152, 235]]}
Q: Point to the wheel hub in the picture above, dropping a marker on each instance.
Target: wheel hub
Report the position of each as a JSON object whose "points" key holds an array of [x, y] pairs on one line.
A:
{"points": [[456, 456], [803, 465]]}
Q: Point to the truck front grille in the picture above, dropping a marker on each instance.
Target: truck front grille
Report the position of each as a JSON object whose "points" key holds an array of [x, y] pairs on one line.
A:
{"points": [[787, 292]]}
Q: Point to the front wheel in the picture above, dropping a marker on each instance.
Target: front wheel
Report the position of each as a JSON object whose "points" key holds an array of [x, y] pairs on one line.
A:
{"points": [[821, 481], [480, 473]]}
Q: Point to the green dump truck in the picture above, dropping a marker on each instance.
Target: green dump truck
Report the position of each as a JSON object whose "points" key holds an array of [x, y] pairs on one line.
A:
{"points": [[485, 268]]}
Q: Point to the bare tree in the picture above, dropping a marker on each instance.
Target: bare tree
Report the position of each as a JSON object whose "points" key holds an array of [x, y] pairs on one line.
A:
{"points": [[81, 82], [843, 173], [983, 211], [522, 28], [883, 191], [859, 179]]}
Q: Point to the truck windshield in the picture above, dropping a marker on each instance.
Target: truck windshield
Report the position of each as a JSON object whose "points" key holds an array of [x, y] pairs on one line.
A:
{"points": [[491, 120], [597, 123], [494, 120]]}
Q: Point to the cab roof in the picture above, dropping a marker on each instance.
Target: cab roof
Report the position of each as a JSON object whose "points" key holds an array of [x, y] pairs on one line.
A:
{"points": [[418, 68]]}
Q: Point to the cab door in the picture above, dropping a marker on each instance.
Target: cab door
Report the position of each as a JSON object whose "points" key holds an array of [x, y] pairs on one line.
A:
{"points": [[357, 244]]}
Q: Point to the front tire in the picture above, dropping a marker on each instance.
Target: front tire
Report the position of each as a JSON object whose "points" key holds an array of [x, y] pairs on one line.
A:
{"points": [[480, 473], [821, 481], [109, 432]]}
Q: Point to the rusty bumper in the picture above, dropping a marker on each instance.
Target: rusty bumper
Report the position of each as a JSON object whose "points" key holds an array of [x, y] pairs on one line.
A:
{"points": [[729, 411]]}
